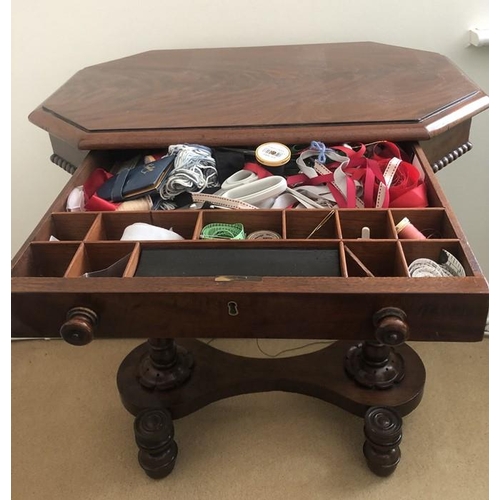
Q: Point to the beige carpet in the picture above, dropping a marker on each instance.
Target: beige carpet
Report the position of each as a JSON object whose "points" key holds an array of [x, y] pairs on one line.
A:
{"points": [[72, 439]]}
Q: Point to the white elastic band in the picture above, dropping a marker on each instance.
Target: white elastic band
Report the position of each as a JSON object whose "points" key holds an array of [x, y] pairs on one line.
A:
{"points": [[238, 179], [258, 191]]}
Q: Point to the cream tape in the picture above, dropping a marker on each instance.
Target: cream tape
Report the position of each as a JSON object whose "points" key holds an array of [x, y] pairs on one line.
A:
{"points": [[221, 202], [258, 191]]}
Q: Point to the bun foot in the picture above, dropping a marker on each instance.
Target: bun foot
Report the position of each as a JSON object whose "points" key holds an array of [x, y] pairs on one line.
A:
{"points": [[383, 432], [154, 435]]}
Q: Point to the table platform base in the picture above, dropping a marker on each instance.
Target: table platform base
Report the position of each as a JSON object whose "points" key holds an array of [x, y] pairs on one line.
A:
{"points": [[162, 380]]}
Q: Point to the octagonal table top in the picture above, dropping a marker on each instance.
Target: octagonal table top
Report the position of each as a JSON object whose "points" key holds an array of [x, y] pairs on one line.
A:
{"points": [[292, 93]]}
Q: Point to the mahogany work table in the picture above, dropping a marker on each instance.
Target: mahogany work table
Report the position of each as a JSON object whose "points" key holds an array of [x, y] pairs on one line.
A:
{"points": [[243, 97]]}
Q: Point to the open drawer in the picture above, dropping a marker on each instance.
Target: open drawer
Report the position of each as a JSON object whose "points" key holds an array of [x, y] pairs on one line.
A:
{"points": [[320, 279]]}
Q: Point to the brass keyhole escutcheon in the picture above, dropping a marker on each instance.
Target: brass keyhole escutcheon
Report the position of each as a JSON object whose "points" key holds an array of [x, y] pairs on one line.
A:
{"points": [[232, 308]]}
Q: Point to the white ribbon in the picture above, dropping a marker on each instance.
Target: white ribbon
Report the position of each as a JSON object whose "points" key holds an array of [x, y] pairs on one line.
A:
{"points": [[140, 231]]}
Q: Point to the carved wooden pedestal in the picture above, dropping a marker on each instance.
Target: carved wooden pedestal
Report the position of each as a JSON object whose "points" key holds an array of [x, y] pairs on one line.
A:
{"points": [[199, 374]]}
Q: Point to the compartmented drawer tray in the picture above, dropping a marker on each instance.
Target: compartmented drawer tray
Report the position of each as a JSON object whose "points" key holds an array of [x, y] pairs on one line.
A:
{"points": [[333, 292]]}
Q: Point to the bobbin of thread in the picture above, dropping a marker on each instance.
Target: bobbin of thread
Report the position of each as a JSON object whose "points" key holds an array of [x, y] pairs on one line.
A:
{"points": [[273, 156], [406, 230]]}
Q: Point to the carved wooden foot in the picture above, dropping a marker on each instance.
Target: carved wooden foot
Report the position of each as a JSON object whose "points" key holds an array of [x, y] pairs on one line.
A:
{"points": [[383, 432], [154, 435]]}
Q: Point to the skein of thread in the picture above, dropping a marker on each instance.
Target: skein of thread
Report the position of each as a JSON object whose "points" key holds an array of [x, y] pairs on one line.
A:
{"points": [[406, 230]]}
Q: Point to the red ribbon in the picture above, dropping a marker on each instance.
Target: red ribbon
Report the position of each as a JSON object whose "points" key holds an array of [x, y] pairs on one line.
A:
{"points": [[94, 203], [367, 166]]}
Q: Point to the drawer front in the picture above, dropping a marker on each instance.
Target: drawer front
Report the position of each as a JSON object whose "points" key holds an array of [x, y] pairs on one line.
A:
{"points": [[48, 276], [430, 316]]}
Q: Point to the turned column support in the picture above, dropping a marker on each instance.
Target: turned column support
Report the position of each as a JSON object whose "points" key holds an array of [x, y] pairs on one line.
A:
{"points": [[375, 363], [166, 366]]}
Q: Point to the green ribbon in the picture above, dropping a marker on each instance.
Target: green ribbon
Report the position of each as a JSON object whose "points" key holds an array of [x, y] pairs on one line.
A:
{"points": [[223, 231]]}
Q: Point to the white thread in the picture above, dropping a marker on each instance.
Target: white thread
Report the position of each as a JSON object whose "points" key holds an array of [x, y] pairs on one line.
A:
{"points": [[194, 171]]}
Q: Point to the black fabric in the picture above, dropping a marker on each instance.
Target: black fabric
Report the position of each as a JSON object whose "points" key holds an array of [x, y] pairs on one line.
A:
{"points": [[227, 162], [238, 262]]}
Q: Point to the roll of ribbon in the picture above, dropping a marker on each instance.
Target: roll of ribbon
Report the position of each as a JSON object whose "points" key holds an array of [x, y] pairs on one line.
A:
{"points": [[140, 231], [427, 268], [451, 264], [273, 156], [448, 266], [264, 234], [216, 231], [406, 230]]}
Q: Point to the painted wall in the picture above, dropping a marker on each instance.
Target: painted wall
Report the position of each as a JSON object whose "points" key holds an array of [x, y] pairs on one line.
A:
{"points": [[53, 39]]}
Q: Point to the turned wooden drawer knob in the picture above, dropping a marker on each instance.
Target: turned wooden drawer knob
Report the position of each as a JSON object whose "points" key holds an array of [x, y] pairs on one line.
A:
{"points": [[391, 326], [79, 326]]}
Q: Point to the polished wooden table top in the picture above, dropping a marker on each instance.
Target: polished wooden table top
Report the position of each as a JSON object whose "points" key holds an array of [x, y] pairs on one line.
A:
{"points": [[363, 91]]}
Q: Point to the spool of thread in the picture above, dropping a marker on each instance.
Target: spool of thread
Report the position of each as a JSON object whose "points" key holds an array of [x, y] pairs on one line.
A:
{"points": [[273, 156], [149, 159], [140, 204], [406, 230], [365, 233]]}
